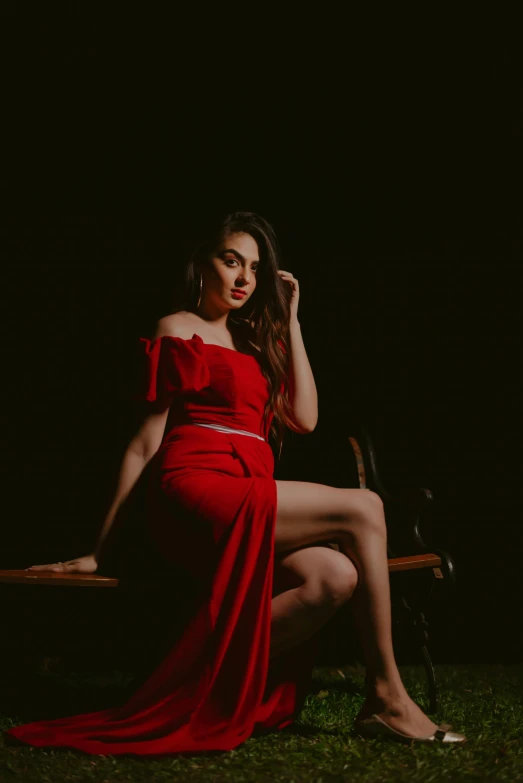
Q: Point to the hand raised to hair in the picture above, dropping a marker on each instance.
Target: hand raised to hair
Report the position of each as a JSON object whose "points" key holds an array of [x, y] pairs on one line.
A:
{"points": [[292, 282]]}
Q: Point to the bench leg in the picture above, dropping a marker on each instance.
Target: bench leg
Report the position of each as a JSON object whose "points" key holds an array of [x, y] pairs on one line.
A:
{"points": [[431, 676], [419, 627]]}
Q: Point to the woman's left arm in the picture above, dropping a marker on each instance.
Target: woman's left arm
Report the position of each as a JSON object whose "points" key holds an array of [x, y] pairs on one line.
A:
{"points": [[303, 394]]}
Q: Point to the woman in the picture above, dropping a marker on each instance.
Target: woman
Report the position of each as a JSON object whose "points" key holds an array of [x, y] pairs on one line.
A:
{"points": [[223, 372]]}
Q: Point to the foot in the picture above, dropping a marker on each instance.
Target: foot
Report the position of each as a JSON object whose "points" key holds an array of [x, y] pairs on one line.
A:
{"points": [[399, 712]]}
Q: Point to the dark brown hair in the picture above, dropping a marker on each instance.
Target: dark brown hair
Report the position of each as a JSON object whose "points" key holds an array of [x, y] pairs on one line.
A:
{"points": [[267, 310]]}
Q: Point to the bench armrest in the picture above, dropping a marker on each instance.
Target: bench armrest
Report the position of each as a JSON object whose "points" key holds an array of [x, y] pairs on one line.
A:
{"points": [[403, 508]]}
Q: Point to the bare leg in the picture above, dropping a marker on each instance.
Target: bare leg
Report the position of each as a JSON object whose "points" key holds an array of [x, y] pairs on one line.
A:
{"points": [[321, 580], [386, 694], [355, 519], [294, 619]]}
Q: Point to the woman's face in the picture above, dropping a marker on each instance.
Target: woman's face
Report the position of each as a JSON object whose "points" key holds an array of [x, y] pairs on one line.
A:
{"points": [[232, 266]]}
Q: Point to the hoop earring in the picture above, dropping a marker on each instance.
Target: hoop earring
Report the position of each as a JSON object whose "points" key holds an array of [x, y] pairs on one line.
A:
{"points": [[200, 299]]}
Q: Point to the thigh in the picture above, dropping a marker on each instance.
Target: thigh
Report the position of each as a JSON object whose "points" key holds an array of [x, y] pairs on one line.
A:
{"points": [[313, 562], [308, 513]]}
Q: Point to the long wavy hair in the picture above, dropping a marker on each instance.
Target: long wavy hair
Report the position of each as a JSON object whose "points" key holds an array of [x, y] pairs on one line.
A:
{"points": [[266, 313]]}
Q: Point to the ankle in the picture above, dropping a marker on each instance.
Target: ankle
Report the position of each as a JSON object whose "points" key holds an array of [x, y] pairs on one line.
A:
{"points": [[385, 690]]}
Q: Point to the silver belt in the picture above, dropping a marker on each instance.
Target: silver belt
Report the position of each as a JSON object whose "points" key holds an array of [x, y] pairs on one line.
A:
{"points": [[223, 428]]}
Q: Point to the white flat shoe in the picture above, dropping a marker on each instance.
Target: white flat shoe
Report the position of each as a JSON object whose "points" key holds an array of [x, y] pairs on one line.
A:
{"points": [[376, 727]]}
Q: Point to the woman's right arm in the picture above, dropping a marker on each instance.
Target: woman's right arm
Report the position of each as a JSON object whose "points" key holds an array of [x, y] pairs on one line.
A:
{"points": [[140, 450]]}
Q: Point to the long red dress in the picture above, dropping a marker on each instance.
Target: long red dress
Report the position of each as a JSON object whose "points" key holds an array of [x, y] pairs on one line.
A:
{"points": [[211, 510]]}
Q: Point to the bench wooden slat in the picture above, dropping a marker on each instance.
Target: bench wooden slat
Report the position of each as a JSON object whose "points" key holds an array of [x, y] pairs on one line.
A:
{"points": [[57, 579], [410, 562]]}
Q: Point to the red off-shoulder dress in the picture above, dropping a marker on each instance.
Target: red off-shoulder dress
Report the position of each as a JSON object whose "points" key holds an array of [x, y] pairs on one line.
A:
{"points": [[211, 508]]}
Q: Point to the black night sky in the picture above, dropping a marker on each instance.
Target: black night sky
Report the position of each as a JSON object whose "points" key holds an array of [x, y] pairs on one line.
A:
{"points": [[390, 170]]}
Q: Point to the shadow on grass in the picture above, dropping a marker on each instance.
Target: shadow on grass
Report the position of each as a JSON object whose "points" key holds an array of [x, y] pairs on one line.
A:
{"points": [[299, 730], [340, 686], [32, 696]]}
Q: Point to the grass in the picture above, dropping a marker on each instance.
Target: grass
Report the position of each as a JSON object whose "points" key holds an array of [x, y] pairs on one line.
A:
{"points": [[483, 702]]}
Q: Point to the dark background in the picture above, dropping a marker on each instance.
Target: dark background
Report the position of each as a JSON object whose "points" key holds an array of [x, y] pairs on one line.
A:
{"points": [[390, 170]]}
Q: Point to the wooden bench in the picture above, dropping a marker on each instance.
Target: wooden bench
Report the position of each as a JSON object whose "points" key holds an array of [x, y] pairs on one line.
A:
{"points": [[403, 528], [21, 576]]}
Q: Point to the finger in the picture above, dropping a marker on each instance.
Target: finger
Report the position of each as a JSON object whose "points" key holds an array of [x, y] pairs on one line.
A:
{"points": [[47, 567]]}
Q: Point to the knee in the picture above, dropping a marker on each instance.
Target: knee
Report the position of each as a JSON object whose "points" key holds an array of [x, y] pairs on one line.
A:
{"points": [[371, 517], [341, 582], [334, 586]]}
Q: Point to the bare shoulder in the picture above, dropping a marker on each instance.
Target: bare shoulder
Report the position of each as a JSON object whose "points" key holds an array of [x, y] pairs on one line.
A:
{"points": [[175, 325]]}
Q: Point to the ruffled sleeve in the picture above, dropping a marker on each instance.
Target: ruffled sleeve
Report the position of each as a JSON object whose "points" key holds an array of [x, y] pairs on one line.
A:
{"points": [[171, 366]]}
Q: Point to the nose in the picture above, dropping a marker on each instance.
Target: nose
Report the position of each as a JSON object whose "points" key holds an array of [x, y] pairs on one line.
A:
{"points": [[245, 276]]}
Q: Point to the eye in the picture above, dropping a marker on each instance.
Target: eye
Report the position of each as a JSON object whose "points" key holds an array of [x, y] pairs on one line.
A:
{"points": [[235, 261]]}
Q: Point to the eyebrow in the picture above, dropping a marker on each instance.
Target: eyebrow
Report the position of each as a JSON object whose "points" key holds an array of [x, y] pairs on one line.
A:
{"points": [[238, 255]]}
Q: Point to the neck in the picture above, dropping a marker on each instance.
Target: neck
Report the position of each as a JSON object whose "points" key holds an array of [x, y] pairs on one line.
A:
{"points": [[216, 319]]}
